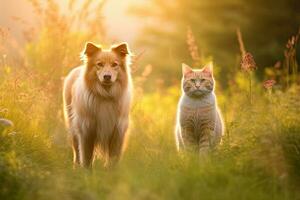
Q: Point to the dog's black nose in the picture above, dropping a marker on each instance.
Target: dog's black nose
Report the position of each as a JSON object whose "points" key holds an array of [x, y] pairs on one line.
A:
{"points": [[107, 77]]}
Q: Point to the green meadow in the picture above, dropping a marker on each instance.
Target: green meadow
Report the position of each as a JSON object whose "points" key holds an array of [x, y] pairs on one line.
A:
{"points": [[259, 157]]}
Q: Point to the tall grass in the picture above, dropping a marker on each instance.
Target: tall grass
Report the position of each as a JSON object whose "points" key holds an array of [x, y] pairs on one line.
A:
{"points": [[258, 159]]}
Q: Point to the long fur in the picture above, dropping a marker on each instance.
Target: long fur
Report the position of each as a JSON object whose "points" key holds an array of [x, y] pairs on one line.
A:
{"points": [[97, 117]]}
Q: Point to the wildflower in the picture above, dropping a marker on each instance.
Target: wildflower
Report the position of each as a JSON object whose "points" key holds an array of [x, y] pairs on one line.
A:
{"points": [[134, 61], [147, 71], [292, 41], [3, 110], [5, 122], [12, 133], [248, 64], [192, 45], [268, 84], [277, 65]]}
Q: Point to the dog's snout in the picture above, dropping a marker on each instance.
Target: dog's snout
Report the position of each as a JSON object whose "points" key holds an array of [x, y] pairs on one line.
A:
{"points": [[107, 77]]}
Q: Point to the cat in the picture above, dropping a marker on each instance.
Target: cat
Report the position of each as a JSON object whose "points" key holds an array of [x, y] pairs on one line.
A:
{"points": [[199, 123]]}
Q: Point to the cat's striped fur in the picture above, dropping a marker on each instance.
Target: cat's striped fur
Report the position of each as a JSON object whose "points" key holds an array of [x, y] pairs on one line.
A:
{"points": [[199, 123]]}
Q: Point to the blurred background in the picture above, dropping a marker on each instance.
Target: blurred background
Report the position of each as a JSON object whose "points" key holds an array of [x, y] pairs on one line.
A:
{"points": [[254, 47], [159, 29]]}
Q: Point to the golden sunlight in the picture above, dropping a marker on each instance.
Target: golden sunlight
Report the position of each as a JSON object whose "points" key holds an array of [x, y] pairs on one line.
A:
{"points": [[149, 99]]}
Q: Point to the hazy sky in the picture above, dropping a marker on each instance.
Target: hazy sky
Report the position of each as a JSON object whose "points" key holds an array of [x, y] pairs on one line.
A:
{"points": [[120, 25], [119, 22], [14, 8]]}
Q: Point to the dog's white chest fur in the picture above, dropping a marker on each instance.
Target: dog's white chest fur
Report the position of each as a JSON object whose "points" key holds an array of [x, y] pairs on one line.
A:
{"points": [[99, 116]]}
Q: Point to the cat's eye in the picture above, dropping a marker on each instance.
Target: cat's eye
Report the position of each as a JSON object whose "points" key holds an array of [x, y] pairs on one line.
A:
{"points": [[193, 80], [202, 80]]}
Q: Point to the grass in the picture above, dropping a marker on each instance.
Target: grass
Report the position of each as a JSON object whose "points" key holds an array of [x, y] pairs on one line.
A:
{"points": [[258, 159]]}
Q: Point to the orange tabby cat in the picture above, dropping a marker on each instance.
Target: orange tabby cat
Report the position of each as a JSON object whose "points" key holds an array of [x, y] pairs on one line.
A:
{"points": [[199, 123]]}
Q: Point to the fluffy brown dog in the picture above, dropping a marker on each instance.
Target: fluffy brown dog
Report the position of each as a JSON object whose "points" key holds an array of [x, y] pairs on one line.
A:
{"points": [[96, 103]]}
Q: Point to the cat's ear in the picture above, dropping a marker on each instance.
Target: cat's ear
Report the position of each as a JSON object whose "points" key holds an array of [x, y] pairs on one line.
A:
{"points": [[186, 69], [90, 49], [208, 69]]}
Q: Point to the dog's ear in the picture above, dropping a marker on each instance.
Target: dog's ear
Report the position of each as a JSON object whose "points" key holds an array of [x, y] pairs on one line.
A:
{"points": [[90, 49], [121, 49]]}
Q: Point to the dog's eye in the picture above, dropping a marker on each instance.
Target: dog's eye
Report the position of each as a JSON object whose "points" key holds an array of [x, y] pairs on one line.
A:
{"points": [[100, 64], [115, 64]]}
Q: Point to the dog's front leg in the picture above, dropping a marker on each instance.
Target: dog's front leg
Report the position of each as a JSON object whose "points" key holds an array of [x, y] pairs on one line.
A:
{"points": [[118, 138], [116, 144], [87, 144]]}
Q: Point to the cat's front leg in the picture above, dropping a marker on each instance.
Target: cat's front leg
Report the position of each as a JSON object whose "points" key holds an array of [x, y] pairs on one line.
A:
{"points": [[189, 140], [205, 141]]}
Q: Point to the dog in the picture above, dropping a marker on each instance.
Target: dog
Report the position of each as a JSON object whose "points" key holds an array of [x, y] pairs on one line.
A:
{"points": [[96, 100]]}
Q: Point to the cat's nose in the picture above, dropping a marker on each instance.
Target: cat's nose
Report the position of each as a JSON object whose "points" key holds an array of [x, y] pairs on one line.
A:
{"points": [[107, 77]]}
